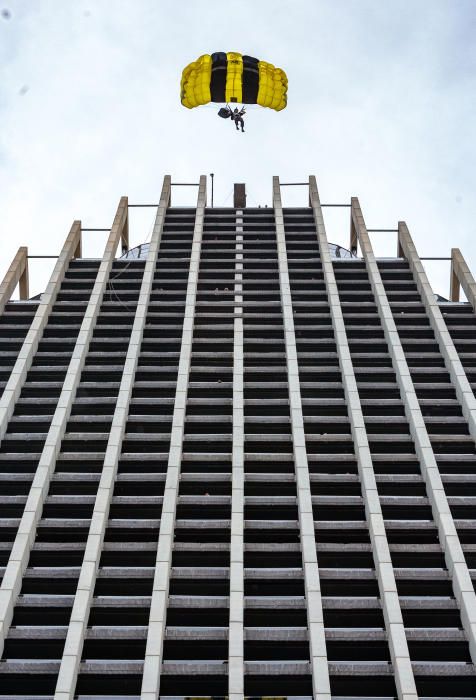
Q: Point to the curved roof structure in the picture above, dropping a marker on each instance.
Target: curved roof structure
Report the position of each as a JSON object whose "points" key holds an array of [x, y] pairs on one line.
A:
{"points": [[140, 252]]}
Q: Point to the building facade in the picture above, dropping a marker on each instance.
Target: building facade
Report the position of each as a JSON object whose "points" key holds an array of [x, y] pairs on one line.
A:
{"points": [[238, 463]]}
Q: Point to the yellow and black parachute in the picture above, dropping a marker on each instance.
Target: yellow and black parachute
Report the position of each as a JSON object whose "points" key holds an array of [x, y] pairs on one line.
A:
{"points": [[231, 77]]}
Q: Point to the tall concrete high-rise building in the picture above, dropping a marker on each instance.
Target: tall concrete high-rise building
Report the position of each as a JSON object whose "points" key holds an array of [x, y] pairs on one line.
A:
{"points": [[238, 461]]}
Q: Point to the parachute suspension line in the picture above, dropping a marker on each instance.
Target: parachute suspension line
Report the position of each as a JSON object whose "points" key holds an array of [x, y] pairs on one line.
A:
{"points": [[250, 196], [228, 197], [110, 281]]}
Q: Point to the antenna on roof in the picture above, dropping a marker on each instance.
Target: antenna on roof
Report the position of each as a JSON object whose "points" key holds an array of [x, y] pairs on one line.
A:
{"points": [[212, 175]]}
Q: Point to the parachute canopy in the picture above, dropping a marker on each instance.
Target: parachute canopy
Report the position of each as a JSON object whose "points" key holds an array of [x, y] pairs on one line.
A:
{"points": [[231, 77]]}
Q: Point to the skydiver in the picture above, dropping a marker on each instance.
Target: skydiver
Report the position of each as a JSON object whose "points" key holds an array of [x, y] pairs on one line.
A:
{"points": [[237, 117]]}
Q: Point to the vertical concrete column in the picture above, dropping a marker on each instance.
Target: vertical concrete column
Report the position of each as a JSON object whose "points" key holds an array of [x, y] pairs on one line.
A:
{"points": [[443, 338], [461, 276], [35, 333], [454, 281], [158, 610], [236, 635], [24, 282], [66, 683], [315, 619], [404, 679], [25, 536], [16, 273]]}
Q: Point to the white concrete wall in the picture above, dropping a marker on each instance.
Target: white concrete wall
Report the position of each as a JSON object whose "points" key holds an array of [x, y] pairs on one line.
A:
{"points": [[315, 618], [158, 611], [395, 629], [25, 537], [30, 344], [455, 560], [236, 633], [66, 683]]}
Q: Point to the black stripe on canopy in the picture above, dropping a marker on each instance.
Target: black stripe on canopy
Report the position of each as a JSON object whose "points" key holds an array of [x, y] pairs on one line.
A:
{"points": [[250, 80], [218, 79]]}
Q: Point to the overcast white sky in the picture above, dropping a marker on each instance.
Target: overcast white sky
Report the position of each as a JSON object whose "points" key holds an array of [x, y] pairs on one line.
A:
{"points": [[382, 105]]}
